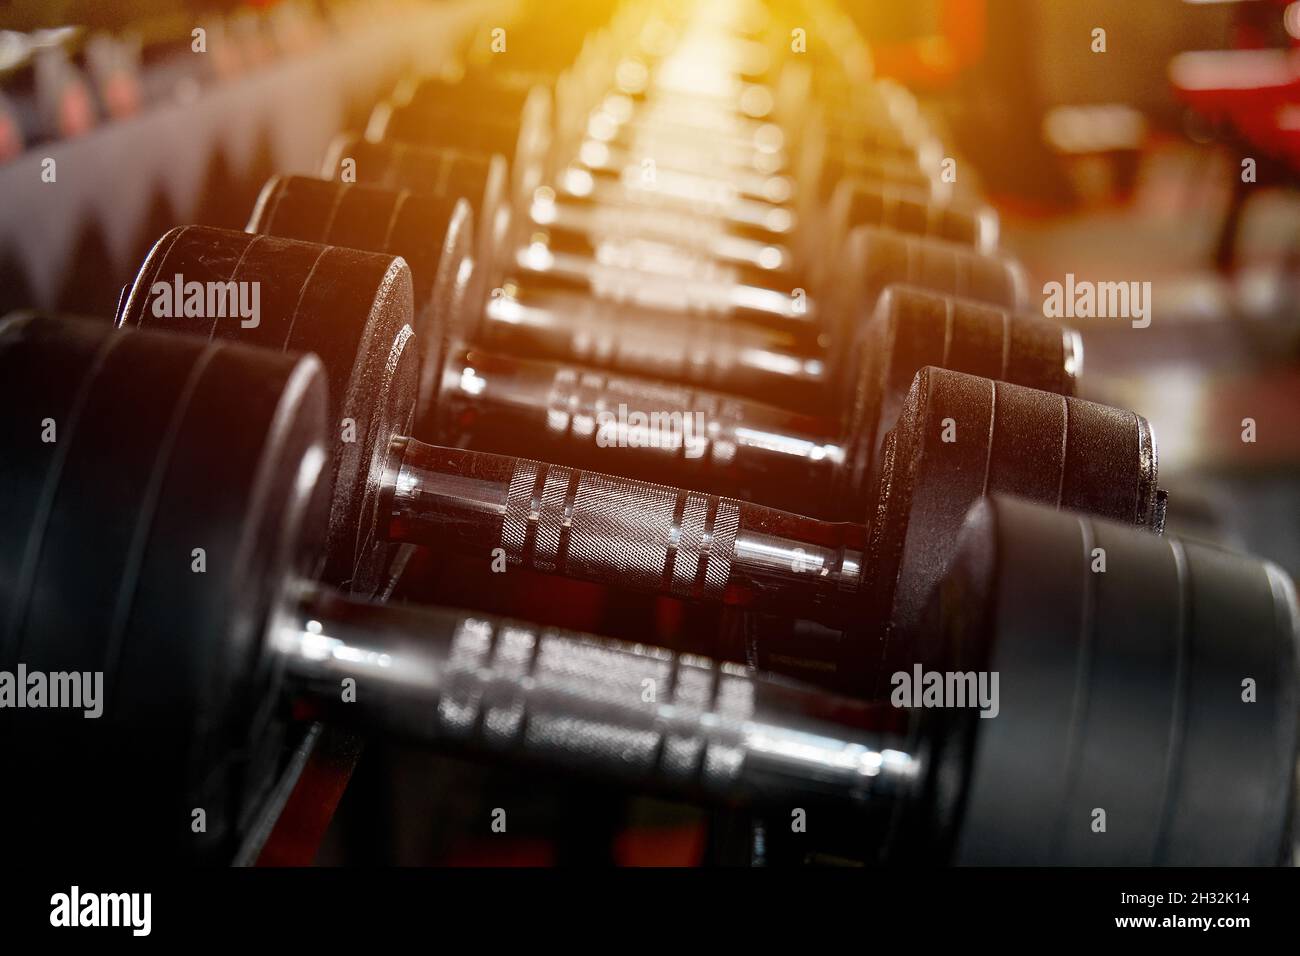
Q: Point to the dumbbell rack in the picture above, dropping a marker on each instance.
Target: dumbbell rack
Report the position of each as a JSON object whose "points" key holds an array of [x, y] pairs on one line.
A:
{"points": [[904, 571]]}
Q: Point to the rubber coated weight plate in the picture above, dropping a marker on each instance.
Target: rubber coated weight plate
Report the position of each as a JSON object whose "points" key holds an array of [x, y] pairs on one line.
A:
{"points": [[432, 233], [114, 498], [103, 506], [99, 521], [395, 222], [912, 328], [523, 137], [877, 258], [374, 366], [392, 122], [961, 437], [471, 97], [55, 387], [892, 206], [192, 664], [427, 169], [482, 181], [1122, 691], [351, 308], [455, 293]]}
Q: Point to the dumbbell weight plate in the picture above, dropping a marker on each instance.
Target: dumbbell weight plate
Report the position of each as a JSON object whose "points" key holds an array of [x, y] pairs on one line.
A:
{"points": [[31, 465], [1121, 691], [857, 202], [483, 182], [179, 648], [1006, 439], [523, 137], [961, 437], [911, 328], [397, 223], [873, 259], [352, 308]]}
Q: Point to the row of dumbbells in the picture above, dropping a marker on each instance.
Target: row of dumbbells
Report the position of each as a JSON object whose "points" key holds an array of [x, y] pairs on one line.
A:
{"points": [[940, 409]]}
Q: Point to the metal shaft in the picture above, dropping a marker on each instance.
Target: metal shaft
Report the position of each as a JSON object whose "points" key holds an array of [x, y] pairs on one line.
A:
{"points": [[653, 431], [729, 356], [677, 723], [610, 529]]}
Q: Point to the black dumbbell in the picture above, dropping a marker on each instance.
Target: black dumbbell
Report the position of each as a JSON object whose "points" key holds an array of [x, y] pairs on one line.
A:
{"points": [[476, 399], [578, 229], [864, 578], [169, 443], [435, 112], [774, 365], [199, 668], [351, 308], [575, 207], [1161, 691], [656, 538]]}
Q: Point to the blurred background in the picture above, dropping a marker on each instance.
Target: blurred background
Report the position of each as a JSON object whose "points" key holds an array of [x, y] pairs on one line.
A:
{"points": [[1152, 141]]}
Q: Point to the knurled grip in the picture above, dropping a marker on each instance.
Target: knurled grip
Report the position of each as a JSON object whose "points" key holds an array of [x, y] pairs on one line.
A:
{"points": [[606, 528], [675, 722], [620, 531], [595, 681]]}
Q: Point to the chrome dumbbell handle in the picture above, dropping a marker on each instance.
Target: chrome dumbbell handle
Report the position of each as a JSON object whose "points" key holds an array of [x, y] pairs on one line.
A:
{"points": [[615, 530], [676, 723], [655, 431]]}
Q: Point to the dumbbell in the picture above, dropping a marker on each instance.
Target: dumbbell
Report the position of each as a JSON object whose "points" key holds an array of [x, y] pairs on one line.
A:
{"points": [[474, 398], [436, 112], [734, 273], [205, 672], [575, 202], [665, 115], [624, 532], [734, 357], [168, 443], [868, 579], [700, 286]]}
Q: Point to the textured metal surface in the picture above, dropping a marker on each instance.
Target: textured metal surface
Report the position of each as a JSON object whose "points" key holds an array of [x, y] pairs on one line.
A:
{"points": [[679, 723], [606, 528]]}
